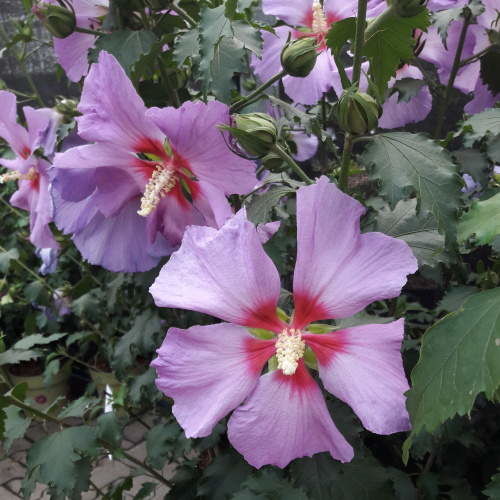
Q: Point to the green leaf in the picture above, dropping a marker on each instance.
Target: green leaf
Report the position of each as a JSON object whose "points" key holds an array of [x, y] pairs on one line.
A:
{"points": [[408, 88], [260, 207], [493, 488], [223, 476], [340, 33], [142, 339], [109, 429], [460, 358], [79, 407], [37, 339], [413, 164], [420, 231], [187, 45], [442, 20], [165, 440], [482, 221], [455, 297], [481, 124], [127, 46], [13, 356], [16, 424], [6, 257], [61, 459], [269, 484], [389, 40], [493, 149], [474, 163]]}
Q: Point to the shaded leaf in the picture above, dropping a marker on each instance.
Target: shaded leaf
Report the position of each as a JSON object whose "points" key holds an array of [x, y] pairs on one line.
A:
{"points": [[37, 339], [407, 163], [482, 221], [481, 124], [460, 358], [6, 257], [260, 207], [493, 488], [340, 33], [16, 424]]}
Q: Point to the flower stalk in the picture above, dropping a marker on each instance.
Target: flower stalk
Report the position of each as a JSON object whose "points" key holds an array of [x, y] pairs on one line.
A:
{"points": [[356, 74], [291, 163]]}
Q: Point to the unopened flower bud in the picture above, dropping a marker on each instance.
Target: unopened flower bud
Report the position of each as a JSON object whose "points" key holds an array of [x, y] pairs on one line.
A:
{"points": [[67, 108], [299, 57], [60, 21], [357, 112], [407, 8], [256, 133]]}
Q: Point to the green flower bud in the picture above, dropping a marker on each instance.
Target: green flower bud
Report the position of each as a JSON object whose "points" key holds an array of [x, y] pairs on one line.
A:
{"points": [[67, 108], [407, 8], [299, 57], [61, 22], [256, 133], [357, 112]]}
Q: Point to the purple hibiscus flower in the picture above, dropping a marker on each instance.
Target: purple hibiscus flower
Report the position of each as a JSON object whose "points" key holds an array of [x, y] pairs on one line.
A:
{"points": [[28, 169], [148, 174], [468, 79], [306, 18], [212, 370], [72, 51]]}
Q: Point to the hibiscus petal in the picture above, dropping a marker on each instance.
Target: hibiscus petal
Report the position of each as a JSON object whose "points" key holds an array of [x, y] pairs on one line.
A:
{"points": [[363, 367], [113, 111], [208, 371], [294, 13], [10, 130], [285, 418], [225, 273], [192, 131], [340, 271], [42, 128], [269, 64], [72, 54], [310, 89], [118, 242]]}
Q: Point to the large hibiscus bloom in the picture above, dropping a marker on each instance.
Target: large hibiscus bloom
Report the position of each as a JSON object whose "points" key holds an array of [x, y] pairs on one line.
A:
{"points": [[128, 197], [210, 371], [306, 18], [30, 170]]}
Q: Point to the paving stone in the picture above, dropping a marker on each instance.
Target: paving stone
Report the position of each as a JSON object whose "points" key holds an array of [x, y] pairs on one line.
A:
{"points": [[19, 457], [126, 445], [10, 470], [5, 494], [135, 432], [39, 430], [14, 486], [139, 451], [108, 471]]}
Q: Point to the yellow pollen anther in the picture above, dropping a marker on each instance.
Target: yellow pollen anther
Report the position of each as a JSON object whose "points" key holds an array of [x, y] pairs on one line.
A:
{"points": [[161, 182], [289, 349], [319, 21], [18, 176]]}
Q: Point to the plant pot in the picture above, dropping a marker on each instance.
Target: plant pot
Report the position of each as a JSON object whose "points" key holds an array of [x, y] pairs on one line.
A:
{"points": [[39, 394]]}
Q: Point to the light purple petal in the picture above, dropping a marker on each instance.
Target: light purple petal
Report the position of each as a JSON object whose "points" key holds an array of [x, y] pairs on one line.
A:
{"points": [[118, 243], [225, 273], [13, 133], [42, 128], [72, 54], [113, 111], [482, 99], [294, 13], [307, 145], [397, 114], [285, 418], [363, 367], [208, 371], [310, 89], [193, 133], [269, 64], [213, 205], [338, 270]]}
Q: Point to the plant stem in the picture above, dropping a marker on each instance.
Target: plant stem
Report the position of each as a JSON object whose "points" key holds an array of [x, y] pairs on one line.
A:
{"points": [[346, 161], [474, 57], [291, 162], [359, 41], [172, 93], [451, 81], [356, 74], [26, 268], [45, 416], [182, 13], [243, 102], [89, 31]]}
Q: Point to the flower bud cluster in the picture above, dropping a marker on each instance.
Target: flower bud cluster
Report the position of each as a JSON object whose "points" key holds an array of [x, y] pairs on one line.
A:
{"points": [[357, 112], [60, 21]]}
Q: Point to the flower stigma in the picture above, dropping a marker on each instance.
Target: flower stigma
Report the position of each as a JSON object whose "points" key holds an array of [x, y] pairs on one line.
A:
{"points": [[161, 182], [319, 21], [289, 349], [18, 176]]}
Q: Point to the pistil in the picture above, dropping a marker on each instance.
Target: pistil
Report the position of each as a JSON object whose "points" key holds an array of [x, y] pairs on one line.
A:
{"points": [[319, 21], [161, 182], [18, 176], [289, 350]]}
